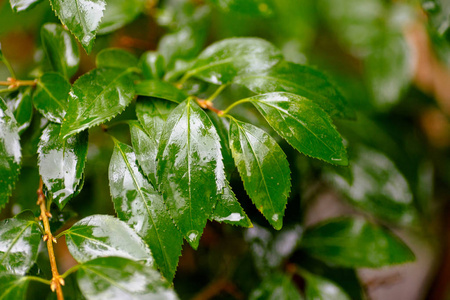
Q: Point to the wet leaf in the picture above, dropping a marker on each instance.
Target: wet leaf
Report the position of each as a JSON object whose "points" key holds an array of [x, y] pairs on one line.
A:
{"points": [[228, 210], [222, 126], [13, 287], [10, 153], [81, 17], [263, 168], [119, 13], [152, 65], [22, 5], [140, 206], [226, 59], [20, 238], [97, 97], [115, 58], [160, 89], [190, 170], [117, 278], [102, 236], [377, 186], [301, 80], [303, 124], [61, 49], [249, 7], [319, 288], [276, 286], [61, 163], [51, 97], [20, 103], [355, 243], [438, 15]]}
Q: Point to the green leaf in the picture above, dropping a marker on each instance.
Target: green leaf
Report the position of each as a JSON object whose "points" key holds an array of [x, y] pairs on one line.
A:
{"points": [[377, 186], [222, 125], [96, 97], [20, 238], [152, 65], [276, 286], [160, 89], [61, 49], [140, 206], [51, 97], [81, 17], [221, 62], [249, 7], [115, 58], [355, 243], [13, 287], [438, 15], [190, 170], [301, 80], [228, 210], [117, 278], [61, 163], [102, 236], [10, 153], [303, 124], [20, 103], [263, 168], [319, 288], [119, 13], [22, 5]]}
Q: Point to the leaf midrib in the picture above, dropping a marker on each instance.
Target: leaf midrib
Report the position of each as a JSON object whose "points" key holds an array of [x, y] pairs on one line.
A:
{"points": [[7, 252]]}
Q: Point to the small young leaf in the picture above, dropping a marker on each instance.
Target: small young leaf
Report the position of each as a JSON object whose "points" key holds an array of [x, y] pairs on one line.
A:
{"points": [[119, 13], [81, 17], [117, 278], [319, 288], [152, 65], [20, 238], [102, 236], [190, 170], [97, 97], [249, 7], [303, 124], [263, 168], [22, 5], [115, 58], [51, 96], [160, 89], [301, 80], [355, 243], [228, 210], [13, 287], [226, 59], [276, 286], [140, 206], [61, 162], [61, 49], [21, 104], [10, 153]]}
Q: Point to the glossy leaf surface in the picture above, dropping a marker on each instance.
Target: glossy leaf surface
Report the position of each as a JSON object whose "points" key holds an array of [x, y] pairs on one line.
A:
{"points": [[301, 80], [81, 17], [20, 103], [117, 278], [377, 186], [115, 58], [118, 13], [51, 96], [355, 243], [22, 5], [319, 288], [97, 97], [61, 162], [13, 287], [140, 206], [160, 89], [152, 65], [61, 49], [190, 170], [20, 238], [263, 168], [226, 59], [228, 210], [10, 153], [276, 286], [152, 114], [303, 124], [102, 236]]}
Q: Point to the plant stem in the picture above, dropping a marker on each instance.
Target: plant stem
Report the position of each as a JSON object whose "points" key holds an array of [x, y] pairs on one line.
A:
{"points": [[12, 83], [8, 65], [56, 281], [39, 279], [233, 105], [216, 93], [70, 271], [183, 79], [206, 104]]}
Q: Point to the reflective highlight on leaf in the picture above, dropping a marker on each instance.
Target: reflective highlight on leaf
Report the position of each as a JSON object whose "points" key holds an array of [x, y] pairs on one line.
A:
{"points": [[118, 13], [152, 65], [322, 289], [160, 89], [20, 103], [22, 5], [276, 286]]}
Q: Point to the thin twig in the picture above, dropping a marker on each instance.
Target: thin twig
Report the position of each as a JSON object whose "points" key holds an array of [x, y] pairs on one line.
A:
{"points": [[12, 83], [56, 281], [206, 104]]}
